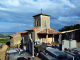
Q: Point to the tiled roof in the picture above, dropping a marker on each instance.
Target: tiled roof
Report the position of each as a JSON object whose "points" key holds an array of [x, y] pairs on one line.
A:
{"points": [[18, 33], [49, 31], [69, 31], [41, 14], [35, 28]]}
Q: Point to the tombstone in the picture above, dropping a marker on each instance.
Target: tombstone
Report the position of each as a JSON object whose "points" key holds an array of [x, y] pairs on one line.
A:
{"points": [[65, 44], [60, 47], [55, 52], [31, 47], [72, 44]]}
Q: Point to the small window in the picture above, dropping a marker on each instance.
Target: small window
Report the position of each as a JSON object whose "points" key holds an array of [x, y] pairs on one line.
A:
{"points": [[36, 23], [45, 23]]}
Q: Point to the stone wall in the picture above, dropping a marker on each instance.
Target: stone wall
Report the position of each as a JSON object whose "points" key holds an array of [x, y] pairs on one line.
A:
{"points": [[25, 38], [36, 31], [77, 35], [11, 41], [37, 19], [15, 40], [43, 19]]}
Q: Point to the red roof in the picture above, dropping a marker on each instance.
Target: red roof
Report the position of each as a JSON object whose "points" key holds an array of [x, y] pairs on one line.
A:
{"points": [[49, 31], [18, 33], [35, 28]]}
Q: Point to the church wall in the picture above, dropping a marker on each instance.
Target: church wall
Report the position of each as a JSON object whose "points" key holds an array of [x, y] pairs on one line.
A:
{"points": [[36, 36], [16, 40], [33, 35], [11, 41], [43, 19], [43, 38], [25, 38], [37, 18]]}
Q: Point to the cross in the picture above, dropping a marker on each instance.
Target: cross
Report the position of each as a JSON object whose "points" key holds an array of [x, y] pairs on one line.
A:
{"points": [[41, 10]]}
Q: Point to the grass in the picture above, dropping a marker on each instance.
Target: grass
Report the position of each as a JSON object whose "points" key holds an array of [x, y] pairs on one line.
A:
{"points": [[4, 38], [4, 41]]}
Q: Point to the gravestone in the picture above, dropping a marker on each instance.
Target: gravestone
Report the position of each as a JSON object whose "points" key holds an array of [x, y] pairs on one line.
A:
{"points": [[72, 44], [31, 47], [55, 52], [22, 44], [65, 44]]}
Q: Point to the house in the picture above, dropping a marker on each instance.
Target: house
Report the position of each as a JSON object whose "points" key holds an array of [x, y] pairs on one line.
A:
{"points": [[40, 33]]}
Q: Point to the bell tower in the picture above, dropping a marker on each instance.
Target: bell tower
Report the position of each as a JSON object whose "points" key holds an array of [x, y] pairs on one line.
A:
{"points": [[42, 20]]}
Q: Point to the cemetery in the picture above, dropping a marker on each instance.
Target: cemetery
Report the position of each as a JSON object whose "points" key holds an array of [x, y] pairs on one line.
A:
{"points": [[41, 35], [67, 50]]}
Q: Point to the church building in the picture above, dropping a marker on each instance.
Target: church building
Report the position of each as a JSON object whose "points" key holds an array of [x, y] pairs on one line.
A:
{"points": [[40, 33]]}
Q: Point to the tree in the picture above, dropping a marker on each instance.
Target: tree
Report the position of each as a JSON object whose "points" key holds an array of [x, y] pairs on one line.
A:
{"points": [[65, 28]]}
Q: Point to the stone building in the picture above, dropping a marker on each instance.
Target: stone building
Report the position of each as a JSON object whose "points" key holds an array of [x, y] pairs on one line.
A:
{"points": [[41, 32], [71, 34]]}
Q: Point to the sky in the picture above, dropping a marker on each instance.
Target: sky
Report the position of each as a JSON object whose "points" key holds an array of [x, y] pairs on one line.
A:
{"points": [[16, 15]]}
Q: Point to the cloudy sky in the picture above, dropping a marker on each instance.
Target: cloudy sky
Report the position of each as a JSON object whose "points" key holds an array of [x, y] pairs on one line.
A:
{"points": [[16, 15]]}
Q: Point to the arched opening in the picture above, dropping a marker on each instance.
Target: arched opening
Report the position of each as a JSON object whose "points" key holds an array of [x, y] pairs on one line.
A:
{"points": [[36, 23], [45, 23]]}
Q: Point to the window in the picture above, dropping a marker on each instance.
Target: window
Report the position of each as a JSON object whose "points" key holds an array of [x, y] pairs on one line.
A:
{"points": [[36, 23], [45, 23]]}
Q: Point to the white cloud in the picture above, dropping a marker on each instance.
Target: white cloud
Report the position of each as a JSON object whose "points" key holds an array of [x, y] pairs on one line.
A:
{"points": [[20, 12]]}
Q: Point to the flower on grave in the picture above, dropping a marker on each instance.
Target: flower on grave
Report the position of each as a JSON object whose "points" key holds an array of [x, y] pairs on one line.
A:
{"points": [[8, 49], [14, 46], [20, 44], [76, 52], [35, 45], [18, 48], [70, 49]]}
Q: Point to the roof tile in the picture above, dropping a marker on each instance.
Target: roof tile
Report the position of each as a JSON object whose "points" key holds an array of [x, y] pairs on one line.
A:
{"points": [[18, 33], [50, 31], [35, 28]]}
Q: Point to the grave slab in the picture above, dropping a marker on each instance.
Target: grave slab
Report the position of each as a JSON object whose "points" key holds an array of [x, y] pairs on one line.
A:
{"points": [[55, 52]]}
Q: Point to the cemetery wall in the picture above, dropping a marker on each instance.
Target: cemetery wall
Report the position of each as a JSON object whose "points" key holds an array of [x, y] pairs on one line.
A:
{"points": [[72, 34], [68, 35], [77, 35]]}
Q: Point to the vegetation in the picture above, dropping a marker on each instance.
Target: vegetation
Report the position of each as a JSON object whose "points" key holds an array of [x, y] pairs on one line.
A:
{"points": [[77, 26], [4, 38]]}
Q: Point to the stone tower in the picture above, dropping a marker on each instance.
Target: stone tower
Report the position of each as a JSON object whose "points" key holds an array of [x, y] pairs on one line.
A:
{"points": [[42, 20]]}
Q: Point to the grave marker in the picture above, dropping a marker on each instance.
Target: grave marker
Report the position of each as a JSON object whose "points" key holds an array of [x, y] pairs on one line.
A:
{"points": [[72, 44], [65, 44]]}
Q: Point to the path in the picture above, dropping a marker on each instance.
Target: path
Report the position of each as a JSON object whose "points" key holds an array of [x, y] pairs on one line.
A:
{"points": [[3, 52]]}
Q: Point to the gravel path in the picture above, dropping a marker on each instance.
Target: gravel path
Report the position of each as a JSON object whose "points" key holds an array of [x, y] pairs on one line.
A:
{"points": [[2, 52]]}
